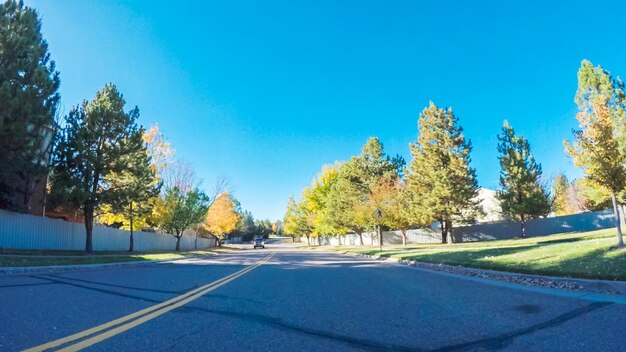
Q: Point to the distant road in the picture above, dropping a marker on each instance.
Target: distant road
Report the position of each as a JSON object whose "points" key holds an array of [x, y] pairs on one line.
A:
{"points": [[282, 299]]}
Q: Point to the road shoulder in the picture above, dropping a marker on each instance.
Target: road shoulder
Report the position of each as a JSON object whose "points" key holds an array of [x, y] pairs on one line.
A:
{"points": [[591, 290]]}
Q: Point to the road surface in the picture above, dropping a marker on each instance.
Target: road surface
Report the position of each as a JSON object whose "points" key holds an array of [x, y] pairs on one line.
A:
{"points": [[281, 299]]}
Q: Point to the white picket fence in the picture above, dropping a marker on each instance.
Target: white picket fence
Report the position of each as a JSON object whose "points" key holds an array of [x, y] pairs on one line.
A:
{"points": [[22, 231]]}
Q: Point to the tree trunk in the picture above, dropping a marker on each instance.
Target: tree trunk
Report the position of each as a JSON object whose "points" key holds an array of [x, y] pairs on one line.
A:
{"points": [[444, 232], [360, 233], [178, 237], [403, 232], [523, 222], [308, 240], [89, 229], [618, 223], [29, 189], [449, 230], [131, 246], [339, 239]]}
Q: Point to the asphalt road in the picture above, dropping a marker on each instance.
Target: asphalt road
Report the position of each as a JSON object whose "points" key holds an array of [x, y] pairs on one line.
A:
{"points": [[295, 301]]}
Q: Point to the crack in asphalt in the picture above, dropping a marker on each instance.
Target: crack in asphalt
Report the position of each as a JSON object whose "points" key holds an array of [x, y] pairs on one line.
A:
{"points": [[24, 285], [491, 343], [277, 322], [119, 286], [365, 344], [502, 340], [115, 293], [57, 279], [181, 337]]}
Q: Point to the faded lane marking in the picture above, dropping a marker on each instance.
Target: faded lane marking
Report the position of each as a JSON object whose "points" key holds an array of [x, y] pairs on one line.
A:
{"points": [[126, 322]]}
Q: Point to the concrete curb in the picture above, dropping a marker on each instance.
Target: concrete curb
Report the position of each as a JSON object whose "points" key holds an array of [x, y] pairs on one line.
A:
{"points": [[591, 290]]}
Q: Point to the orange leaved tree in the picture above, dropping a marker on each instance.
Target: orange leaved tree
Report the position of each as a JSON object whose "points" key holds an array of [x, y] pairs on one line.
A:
{"points": [[222, 216]]}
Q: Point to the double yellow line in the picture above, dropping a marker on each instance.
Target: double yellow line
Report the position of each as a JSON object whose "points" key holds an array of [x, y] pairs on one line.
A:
{"points": [[102, 332]]}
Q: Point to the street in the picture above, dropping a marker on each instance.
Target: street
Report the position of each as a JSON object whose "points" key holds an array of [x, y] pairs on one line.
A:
{"points": [[288, 299]]}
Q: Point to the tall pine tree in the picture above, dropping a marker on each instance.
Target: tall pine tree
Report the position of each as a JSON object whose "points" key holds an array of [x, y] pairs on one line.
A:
{"points": [[133, 189], [96, 143], [440, 177], [29, 98], [522, 196]]}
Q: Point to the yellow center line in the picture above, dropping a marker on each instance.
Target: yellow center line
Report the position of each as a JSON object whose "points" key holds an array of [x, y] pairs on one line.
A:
{"points": [[144, 315]]}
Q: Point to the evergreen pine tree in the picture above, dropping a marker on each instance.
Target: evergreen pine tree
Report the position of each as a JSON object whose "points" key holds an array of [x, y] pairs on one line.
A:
{"points": [[439, 174], [522, 196], [135, 186], [29, 98], [96, 144]]}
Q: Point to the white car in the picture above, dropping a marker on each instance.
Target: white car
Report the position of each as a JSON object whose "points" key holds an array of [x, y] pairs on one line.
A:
{"points": [[259, 243]]}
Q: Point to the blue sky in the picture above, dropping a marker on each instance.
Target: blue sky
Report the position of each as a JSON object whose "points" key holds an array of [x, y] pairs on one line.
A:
{"points": [[265, 92]]}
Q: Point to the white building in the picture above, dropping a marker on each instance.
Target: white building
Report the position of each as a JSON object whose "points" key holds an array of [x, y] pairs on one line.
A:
{"points": [[491, 206]]}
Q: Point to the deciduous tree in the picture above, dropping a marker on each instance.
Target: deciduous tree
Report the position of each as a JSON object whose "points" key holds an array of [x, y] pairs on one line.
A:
{"points": [[180, 211], [296, 221], [349, 197], [179, 174], [398, 207], [159, 149], [560, 191], [222, 216], [598, 145], [592, 196], [316, 199]]}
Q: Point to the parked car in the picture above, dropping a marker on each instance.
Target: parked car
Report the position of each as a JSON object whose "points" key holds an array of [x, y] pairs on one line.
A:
{"points": [[259, 243]]}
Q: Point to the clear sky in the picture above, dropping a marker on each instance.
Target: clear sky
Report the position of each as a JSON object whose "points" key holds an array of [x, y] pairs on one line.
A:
{"points": [[265, 92]]}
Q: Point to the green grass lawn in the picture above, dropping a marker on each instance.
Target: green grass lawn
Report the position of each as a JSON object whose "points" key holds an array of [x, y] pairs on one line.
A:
{"points": [[584, 255], [41, 258]]}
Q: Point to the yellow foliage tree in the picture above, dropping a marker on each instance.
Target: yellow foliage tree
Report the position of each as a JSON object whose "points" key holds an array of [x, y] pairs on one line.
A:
{"points": [[600, 141], [161, 154], [316, 199], [221, 217], [160, 150], [111, 217]]}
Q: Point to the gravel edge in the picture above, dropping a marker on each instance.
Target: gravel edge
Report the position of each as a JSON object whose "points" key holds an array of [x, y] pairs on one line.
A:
{"points": [[581, 285]]}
